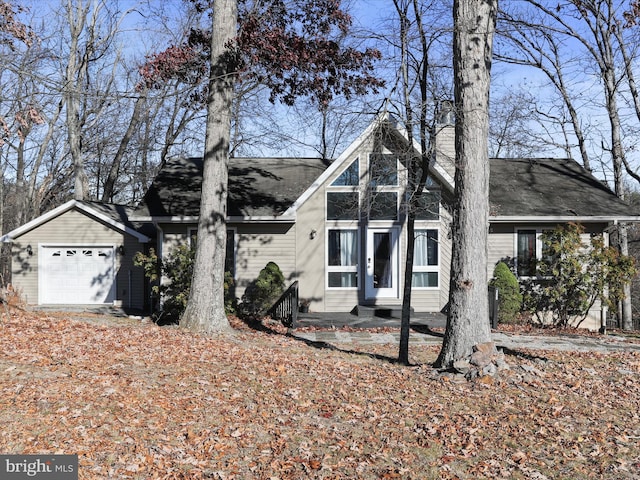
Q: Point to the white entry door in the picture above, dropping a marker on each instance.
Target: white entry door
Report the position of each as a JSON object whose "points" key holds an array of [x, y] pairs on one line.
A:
{"points": [[77, 275], [382, 275]]}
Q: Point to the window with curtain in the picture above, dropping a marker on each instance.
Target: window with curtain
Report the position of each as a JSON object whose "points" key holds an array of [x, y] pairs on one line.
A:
{"points": [[342, 259], [527, 255], [426, 259]]}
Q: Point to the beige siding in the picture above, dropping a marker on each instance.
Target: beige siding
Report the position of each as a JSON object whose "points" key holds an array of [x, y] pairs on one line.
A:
{"points": [[501, 246], [75, 228], [256, 245]]}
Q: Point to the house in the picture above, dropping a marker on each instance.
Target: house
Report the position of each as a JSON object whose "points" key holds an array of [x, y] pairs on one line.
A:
{"points": [[337, 228]]}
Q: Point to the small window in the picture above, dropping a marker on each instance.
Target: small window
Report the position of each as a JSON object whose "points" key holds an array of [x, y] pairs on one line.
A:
{"points": [[527, 256], [350, 177], [71, 253], [342, 259], [87, 253], [342, 205], [230, 254], [426, 259]]}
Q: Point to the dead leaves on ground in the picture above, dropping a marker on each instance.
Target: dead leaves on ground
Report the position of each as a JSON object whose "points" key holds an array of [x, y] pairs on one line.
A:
{"points": [[138, 401]]}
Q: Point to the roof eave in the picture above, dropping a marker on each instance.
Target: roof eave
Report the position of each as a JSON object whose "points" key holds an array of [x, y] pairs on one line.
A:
{"points": [[230, 219], [561, 218], [65, 207]]}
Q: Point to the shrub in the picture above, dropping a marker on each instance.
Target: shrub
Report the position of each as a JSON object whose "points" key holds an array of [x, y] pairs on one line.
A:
{"points": [[262, 293], [509, 296], [574, 275], [177, 268]]}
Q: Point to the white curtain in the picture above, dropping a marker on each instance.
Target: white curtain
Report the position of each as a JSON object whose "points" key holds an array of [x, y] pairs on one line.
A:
{"points": [[348, 248]]}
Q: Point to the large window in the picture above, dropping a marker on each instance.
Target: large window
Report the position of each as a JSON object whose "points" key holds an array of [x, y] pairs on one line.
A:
{"points": [[426, 259], [384, 206], [342, 259], [343, 199], [383, 169], [342, 205], [383, 187]]}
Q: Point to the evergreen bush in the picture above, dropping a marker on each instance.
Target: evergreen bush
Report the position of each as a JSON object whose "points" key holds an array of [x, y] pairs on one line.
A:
{"points": [[509, 296], [263, 292]]}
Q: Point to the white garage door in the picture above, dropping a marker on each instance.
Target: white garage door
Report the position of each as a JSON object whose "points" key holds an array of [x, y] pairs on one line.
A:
{"points": [[77, 275]]}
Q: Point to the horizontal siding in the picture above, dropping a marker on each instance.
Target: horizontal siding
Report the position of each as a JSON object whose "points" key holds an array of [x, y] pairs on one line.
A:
{"points": [[340, 300], [256, 245], [501, 246], [71, 228]]}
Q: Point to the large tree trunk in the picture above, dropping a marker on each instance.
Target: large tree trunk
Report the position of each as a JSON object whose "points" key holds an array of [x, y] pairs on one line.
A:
{"points": [[468, 319], [205, 308]]}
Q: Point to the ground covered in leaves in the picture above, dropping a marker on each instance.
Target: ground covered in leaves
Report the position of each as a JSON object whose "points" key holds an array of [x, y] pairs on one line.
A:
{"points": [[135, 400]]}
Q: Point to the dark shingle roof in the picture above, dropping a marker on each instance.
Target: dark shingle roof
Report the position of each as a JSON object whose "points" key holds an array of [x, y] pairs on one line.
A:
{"points": [[550, 187], [267, 187], [258, 187]]}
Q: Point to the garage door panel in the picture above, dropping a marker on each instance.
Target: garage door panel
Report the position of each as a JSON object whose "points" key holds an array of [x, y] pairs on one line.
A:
{"points": [[77, 275]]}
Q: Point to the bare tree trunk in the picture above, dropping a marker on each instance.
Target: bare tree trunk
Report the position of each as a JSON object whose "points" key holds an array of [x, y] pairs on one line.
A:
{"points": [[205, 308], [114, 170], [468, 319]]}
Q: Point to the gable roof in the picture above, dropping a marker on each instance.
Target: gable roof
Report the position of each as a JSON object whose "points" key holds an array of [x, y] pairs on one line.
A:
{"points": [[259, 188], [114, 215], [551, 189]]}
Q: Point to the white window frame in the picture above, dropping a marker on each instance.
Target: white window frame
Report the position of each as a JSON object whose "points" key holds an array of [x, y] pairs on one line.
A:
{"points": [[428, 268], [342, 268]]}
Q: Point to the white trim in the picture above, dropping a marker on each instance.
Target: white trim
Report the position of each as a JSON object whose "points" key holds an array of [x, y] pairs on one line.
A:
{"points": [[70, 205], [429, 268], [390, 293], [547, 219], [342, 268], [337, 164]]}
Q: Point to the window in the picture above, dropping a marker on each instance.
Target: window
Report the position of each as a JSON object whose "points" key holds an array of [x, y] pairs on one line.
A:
{"points": [[426, 259], [350, 177], [529, 251], [342, 259], [384, 206], [428, 206], [527, 256], [343, 202], [383, 169], [342, 205]]}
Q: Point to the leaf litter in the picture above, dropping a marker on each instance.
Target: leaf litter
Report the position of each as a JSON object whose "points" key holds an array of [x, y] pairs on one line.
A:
{"points": [[139, 401]]}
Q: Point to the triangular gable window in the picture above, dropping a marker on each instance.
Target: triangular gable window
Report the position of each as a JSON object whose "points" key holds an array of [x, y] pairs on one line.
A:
{"points": [[350, 177]]}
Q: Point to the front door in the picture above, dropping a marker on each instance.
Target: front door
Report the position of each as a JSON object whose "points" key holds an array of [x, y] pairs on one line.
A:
{"points": [[382, 263]]}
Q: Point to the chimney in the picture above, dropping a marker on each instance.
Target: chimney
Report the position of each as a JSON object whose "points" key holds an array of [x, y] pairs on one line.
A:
{"points": [[445, 137]]}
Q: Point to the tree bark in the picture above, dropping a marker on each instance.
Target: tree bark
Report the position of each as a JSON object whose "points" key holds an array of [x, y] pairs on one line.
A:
{"points": [[205, 308], [468, 318]]}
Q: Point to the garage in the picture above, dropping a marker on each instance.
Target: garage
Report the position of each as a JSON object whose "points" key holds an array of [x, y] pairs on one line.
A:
{"points": [[81, 275]]}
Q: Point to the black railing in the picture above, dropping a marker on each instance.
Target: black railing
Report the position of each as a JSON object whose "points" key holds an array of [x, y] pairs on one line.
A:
{"points": [[286, 308]]}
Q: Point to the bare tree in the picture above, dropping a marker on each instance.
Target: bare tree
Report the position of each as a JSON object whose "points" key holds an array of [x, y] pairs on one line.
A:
{"points": [[593, 30]]}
